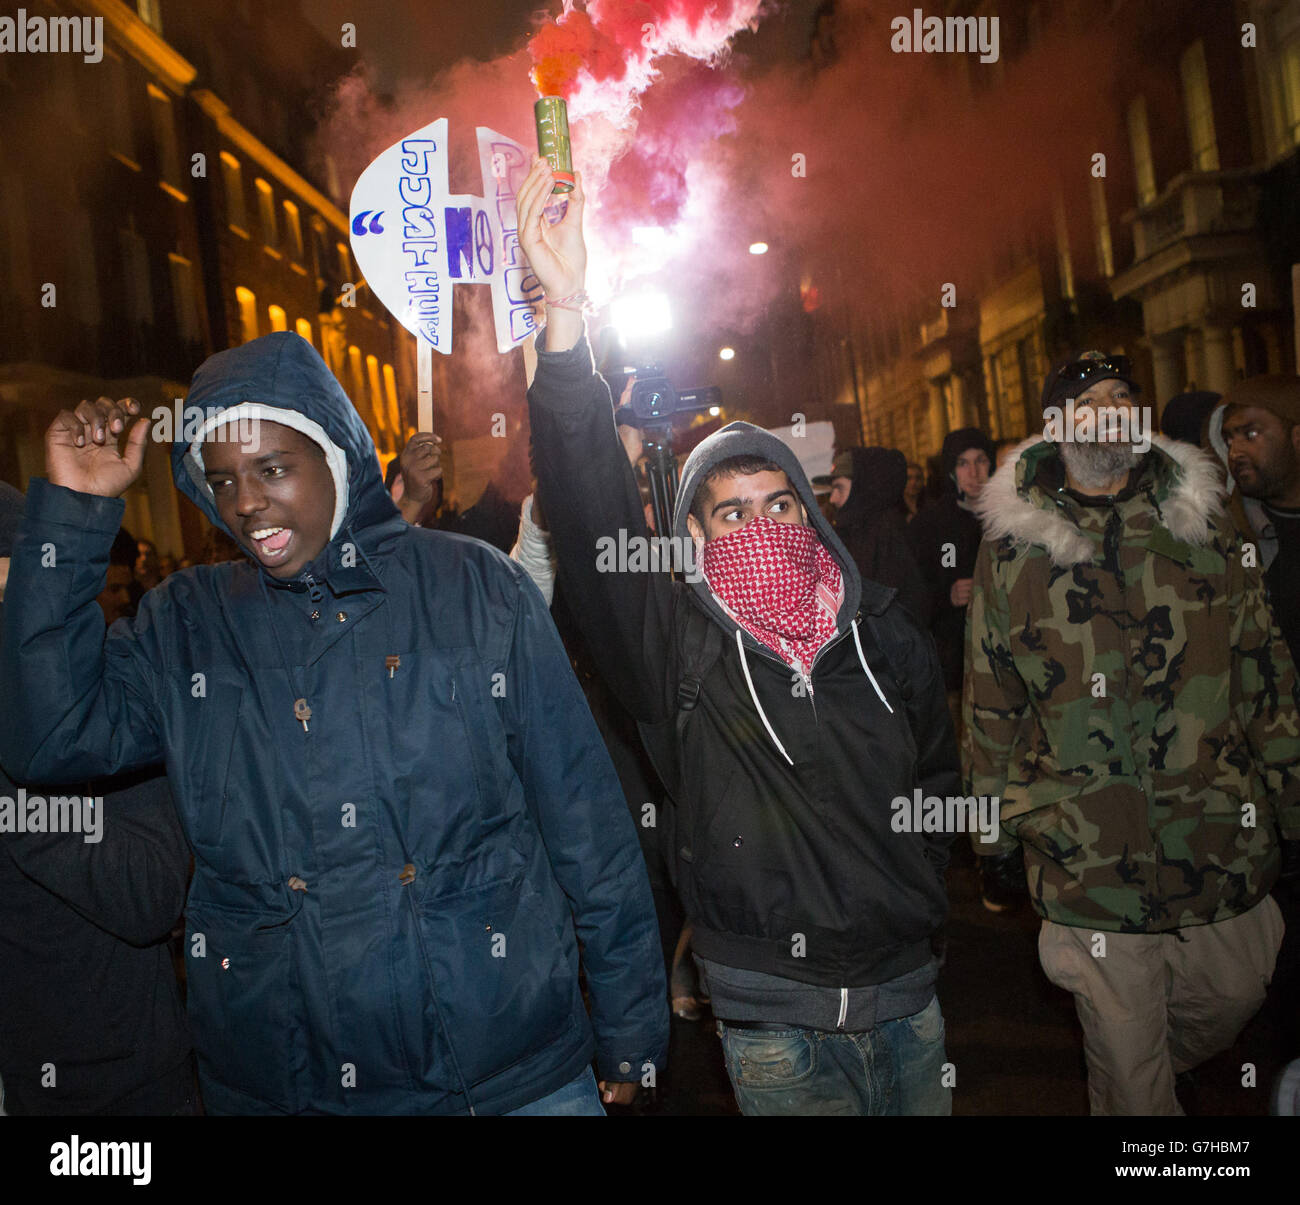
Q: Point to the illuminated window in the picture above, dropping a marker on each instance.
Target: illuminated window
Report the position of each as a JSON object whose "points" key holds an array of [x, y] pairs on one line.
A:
{"points": [[1101, 228], [293, 231], [279, 322], [303, 327], [150, 13], [376, 392], [247, 314], [356, 377], [266, 214], [164, 130], [345, 264], [390, 394], [233, 178], [1200, 112], [1139, 137], [184, 299]]}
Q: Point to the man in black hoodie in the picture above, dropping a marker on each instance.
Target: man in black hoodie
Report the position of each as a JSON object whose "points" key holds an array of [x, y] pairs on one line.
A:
{"points": [[867, 486], [945, 539], [90, 1015], [795, 713]]}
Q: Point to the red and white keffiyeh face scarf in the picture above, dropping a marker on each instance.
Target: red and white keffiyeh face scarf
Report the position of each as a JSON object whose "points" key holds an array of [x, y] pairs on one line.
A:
{"points": [[778, 581]]}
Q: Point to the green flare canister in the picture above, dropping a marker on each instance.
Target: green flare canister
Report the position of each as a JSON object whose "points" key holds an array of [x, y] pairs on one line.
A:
{"points": [[552, 117]]}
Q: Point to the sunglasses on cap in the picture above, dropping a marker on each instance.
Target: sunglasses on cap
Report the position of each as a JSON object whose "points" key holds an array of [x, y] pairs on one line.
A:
{"points": [[1081, 370]]}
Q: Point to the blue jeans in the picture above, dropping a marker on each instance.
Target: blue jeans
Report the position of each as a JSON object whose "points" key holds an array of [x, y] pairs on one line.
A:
{"points": [[578, 1098], [895, 1069]]}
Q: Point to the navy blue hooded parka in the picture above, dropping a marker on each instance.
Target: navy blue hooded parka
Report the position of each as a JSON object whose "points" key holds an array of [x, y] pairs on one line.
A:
{"points": [[453, 814]]}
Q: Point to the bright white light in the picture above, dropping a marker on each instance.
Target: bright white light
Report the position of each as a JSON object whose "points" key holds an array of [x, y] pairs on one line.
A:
{"points": [[638, 315], [727, 353], [714, 411], [758, 248], [650, 236]]}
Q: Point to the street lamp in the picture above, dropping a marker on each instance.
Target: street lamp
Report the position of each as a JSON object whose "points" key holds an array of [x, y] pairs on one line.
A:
{"points": [[758, 248], [727, 353]]}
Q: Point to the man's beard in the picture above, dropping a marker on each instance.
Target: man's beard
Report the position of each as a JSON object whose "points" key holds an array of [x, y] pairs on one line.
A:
{"points": [[1096, 465]]}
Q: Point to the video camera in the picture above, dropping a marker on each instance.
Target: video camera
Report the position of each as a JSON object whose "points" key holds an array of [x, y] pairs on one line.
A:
{"points": [[655, 401]]}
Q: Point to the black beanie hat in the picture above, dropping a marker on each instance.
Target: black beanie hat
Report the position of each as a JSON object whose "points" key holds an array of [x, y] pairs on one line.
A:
{"points": [[1057, 391], [962, 440], [12, 504]]}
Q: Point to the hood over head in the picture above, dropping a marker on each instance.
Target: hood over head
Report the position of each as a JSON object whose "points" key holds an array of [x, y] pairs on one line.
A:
{"points": [[1275, 392], [281, 378], [879, 478], [745, 439], [1184, 415]]}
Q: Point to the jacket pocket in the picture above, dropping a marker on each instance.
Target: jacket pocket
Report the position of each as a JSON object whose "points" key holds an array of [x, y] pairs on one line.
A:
{"points": [[505, 971], [239, 1002], [201, 754]]}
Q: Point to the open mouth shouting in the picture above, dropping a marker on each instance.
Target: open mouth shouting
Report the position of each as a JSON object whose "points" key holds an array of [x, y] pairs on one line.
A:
{"points": [[271, 544]]}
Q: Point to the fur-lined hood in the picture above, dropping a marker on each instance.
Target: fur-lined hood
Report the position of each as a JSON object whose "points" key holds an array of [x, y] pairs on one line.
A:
{"points": [[1189, 492]]}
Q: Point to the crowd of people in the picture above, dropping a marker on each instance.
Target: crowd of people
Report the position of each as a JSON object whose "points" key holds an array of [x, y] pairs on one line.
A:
{"points": [[450, 827]]}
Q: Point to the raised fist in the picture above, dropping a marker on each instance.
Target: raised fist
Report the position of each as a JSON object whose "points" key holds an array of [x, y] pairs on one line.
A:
{"points": [[81, 447]]}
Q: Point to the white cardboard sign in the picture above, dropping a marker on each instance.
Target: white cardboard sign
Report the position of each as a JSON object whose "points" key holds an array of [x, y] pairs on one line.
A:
{"points": [[415, 242]]}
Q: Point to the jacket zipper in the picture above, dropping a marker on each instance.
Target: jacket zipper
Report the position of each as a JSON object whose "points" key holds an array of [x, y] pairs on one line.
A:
{"points": [[844, 1008]]}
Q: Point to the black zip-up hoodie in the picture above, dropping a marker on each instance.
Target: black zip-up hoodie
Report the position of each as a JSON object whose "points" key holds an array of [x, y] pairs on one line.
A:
{"points": [[781, 837]]}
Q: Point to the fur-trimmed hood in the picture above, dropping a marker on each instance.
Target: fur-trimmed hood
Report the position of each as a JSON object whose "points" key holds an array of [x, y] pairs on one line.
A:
{"points": [[1189, 493]]}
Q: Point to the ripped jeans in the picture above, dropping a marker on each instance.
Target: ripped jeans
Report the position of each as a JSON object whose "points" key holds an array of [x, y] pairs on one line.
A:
{"points": [[895, 1069]]}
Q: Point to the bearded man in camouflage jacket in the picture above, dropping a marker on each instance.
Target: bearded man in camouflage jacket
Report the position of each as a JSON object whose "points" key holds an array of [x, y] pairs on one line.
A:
{"points": [[1130, 701]]}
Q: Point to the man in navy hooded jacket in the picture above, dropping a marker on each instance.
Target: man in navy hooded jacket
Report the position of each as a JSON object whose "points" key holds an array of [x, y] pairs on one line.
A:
{"points": [[399, 806]]}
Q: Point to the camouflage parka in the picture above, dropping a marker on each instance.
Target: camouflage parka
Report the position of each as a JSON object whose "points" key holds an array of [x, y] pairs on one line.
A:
{"points": [[1127, 695]]}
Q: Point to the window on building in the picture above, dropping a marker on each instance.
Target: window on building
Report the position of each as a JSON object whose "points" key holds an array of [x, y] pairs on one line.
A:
{"points": [[119, 103], [81, 242], [1139, 136], [303, 327], [266, 214], [247, 301], [356, 377], [1289, 64], [1101, 228], [137, 291], [1064, 261], [293, 231], [376, 392], [233, 178], [1200, 112], [345, 264], [184, 299], [279, 320], [150, 13], [17, 240], [390, 396], [164, 133]]}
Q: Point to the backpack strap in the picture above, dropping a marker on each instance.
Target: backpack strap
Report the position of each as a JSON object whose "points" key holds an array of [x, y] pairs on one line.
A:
{"points": [[700, 646]]}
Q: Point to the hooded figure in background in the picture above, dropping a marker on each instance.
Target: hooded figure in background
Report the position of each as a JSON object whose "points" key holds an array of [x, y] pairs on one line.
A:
{"points": [[1255, 432], [945, 537], [871, 521], [402, 815]]}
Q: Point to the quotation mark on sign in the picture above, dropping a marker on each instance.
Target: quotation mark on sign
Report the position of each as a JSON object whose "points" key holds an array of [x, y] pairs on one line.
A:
{"points": [[360, 226]]}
